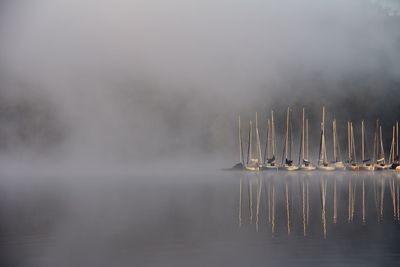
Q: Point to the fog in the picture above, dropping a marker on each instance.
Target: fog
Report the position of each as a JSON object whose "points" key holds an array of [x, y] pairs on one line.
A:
{"points": [[116, 118], [134, 81]]}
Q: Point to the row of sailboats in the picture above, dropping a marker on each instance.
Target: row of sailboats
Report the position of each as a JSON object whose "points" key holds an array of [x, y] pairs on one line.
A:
{"points": [[255, 161]]}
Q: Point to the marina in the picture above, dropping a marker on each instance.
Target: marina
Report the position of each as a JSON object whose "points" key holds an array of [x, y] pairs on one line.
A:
{"points": [[259, 161]]}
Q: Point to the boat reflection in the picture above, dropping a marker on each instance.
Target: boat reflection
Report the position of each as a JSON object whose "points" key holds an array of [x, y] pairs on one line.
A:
{"points": [[305, 203]]}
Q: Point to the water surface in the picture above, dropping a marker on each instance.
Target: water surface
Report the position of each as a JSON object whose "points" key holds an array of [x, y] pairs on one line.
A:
{"points": [[215, 218]]}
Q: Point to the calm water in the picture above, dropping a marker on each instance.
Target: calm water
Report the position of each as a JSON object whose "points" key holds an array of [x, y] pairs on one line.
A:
{"points": [[219, 218]]}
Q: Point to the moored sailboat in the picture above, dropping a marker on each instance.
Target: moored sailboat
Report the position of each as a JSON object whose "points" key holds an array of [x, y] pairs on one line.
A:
{"points": [[252, 163], [352, 160], [270, 146], [339, 165], [379, 152], [394, 148], [287, 161], [258, 143], [240, 164], [323, 164], [304, 162], [366, 165]]}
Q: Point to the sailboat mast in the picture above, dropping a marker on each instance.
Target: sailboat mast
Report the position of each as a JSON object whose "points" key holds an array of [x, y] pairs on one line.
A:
{"points": [[322, 150], [391, 157], [291, 137], [334, 140], [320, 147], [287, 134], [273, 134], [258, 141], [323, 123], [362, 141], [267, 143], [302, 135], [376, 143], [382, 153], [307, 139], [352, 142], [249, 143], [256, 134], [348, 141], [240, 144], [397, 141], [301, 151]]}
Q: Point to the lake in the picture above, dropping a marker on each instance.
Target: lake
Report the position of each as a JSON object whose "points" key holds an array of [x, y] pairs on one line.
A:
{"points": [[211, 218]]}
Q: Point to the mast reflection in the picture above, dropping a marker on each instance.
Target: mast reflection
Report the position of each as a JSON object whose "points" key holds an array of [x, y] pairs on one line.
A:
{"points": [[302, 203]]}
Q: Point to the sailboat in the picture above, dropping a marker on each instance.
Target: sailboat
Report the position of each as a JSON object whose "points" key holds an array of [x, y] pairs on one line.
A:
{"points": [[304, 161], [253, 164], [352, 160], [394, 148], [339, 165], [379, 152], [240, 164], [270, 145], [259, 157], [287, 162], [365, 166], [323, 164]]}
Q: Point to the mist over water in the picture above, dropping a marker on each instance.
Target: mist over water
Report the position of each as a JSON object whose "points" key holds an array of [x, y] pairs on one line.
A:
{"points": [[117, 118], [139, 80]]}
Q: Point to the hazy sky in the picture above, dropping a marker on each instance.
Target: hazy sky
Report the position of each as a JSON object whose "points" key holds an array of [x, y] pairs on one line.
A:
{"points": [[155, 78]]}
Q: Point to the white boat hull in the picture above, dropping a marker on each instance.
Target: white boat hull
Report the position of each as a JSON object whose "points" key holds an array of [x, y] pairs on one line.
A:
{"points": [[252, 168], [367, 167], [325, 168], [289, 168], [381, 167], [352, 167], [339, 165], [270, 167], [253, 165], [307, 167]]}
